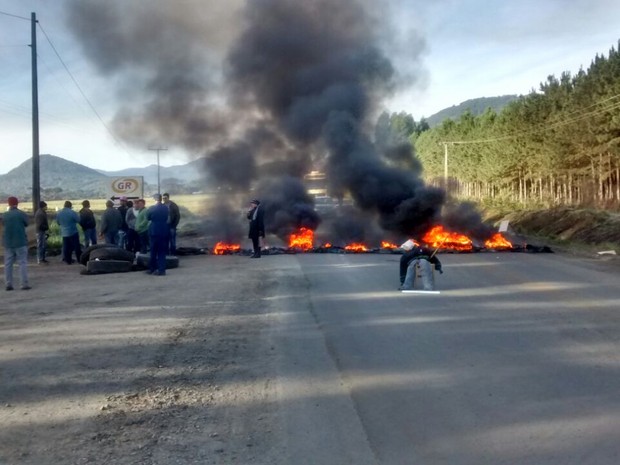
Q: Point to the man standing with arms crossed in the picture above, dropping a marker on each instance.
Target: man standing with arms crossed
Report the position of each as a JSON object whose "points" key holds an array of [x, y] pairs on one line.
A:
{"points": [[173, 221]]}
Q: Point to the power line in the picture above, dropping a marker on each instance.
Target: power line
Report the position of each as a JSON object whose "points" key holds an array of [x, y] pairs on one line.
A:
{"points": [[77, 85], [14, 16]]}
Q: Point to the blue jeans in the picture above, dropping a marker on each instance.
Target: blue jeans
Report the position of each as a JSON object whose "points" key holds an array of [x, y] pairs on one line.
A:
{"points": [[90, 237], [41, 246], [70, 245], [172, 239], [111, 237], [157, 260], [19, 255], [121, 238]]}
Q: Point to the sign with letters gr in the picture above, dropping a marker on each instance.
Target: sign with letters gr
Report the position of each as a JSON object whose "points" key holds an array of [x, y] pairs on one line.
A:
{"points": [[131, 187]]}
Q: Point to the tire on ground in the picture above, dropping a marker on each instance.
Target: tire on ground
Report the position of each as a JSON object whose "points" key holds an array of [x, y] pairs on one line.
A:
{"points": [[111, 253], [142, 261], [86, 252], [107, 266]]}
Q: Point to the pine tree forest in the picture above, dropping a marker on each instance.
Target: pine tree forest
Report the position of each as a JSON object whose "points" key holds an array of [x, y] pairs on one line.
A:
{"points": [[559, 145]]}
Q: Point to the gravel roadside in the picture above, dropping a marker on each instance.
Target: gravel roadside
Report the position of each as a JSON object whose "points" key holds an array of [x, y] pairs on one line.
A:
{"points": [[134, 369]]}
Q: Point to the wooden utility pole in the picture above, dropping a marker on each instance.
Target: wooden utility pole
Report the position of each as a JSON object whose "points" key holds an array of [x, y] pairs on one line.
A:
{"points": [[36, 185], [158, 149], [445, 164]]}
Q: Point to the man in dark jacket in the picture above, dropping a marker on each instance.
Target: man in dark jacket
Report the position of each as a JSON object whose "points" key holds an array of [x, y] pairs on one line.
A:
{"points": [[257, 226], [15, 244], [158, 236], [173, 222], [122, 231], [110, 223], [41, 226], [88, 224]]}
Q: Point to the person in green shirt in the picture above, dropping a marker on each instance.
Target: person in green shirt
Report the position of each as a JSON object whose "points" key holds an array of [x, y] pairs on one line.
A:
{"points": [[142, 225]]}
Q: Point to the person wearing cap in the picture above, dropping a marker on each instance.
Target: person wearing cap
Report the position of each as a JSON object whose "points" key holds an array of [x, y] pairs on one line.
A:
{"points": [[88, 224], [414, 253], [15, 244], [110, 224], [41, 226], [257, 226], [158, 236], [68, 221]]}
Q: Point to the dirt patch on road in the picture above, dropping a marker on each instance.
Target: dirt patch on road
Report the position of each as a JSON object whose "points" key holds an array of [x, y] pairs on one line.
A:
{"points": [[134, 369]]}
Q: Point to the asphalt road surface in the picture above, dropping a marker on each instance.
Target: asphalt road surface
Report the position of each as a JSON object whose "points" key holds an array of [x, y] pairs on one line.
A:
{"points": [[516, 361], [315, 359]]}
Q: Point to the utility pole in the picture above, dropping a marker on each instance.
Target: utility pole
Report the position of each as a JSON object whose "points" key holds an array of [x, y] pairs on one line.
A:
{"points": [[445, 164], [158, 149], [36, 187]]}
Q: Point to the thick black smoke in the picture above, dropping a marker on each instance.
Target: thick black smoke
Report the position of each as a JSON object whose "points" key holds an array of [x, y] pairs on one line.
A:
{"points": [[315, 68], [265, 90], [287, 206]]}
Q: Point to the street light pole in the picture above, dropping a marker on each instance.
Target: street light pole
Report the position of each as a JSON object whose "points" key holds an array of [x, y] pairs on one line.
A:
{"points": [[158, 149]]}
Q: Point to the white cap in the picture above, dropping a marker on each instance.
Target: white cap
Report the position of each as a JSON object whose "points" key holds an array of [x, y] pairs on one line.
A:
{"points": [[408, 245]]}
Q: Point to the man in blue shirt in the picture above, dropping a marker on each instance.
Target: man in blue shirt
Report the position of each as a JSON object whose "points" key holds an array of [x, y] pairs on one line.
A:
{"points": [[158, 236], [68, 221]]}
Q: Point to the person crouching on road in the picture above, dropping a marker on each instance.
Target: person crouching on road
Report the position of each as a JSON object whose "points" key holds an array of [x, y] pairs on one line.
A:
{"points": [[257, 226], [15, 244], [158, 236], [415, 252]]}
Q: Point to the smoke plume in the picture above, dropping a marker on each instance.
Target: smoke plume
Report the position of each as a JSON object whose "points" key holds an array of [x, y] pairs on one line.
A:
{"points": [[265, 90]]}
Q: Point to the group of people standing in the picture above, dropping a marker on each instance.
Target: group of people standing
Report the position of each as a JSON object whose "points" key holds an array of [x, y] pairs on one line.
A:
{"points": [[130, 226]]}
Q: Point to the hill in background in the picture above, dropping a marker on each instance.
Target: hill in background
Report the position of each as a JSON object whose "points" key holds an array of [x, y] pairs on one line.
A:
{"points": [[475, 106], [59, 178], [63, 179]]}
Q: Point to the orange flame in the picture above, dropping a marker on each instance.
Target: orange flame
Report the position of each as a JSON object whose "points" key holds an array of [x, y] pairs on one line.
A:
{"points": [[437, 237], [497, 241], [302, 240], [356, 247], [222, 248], [327, 245], [388, 245]]}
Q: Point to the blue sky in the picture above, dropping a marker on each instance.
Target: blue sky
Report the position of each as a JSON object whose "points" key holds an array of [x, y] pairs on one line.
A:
{"points": [[470, 49]]}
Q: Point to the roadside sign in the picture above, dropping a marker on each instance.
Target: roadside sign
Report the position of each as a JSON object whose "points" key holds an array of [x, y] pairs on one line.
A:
{"points": [[131, 187]]}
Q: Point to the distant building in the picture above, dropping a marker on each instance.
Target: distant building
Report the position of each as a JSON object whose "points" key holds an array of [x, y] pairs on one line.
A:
{"points": [[316, 183]]}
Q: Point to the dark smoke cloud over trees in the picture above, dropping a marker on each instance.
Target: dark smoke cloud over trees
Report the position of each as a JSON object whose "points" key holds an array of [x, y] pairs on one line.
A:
{"points": [[266, 90]]}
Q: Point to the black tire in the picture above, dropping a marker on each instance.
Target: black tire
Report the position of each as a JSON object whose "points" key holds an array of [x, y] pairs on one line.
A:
{"points": [[107, 266], [111, 253], [86, 253], [142, 261]]}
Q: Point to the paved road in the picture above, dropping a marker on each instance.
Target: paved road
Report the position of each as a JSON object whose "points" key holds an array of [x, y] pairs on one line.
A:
{"points": [[517, 361]]}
